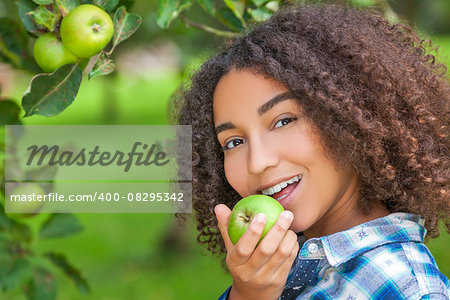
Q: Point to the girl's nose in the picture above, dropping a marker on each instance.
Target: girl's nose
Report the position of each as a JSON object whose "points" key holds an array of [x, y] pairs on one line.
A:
{"points": [[262, 155]]}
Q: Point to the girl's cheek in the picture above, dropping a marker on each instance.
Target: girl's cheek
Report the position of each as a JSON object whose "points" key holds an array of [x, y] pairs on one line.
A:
{"points": [[234, 175]]}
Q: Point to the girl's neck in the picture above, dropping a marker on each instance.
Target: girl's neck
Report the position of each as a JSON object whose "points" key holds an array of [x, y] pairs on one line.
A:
{"points": [[346, 216]]}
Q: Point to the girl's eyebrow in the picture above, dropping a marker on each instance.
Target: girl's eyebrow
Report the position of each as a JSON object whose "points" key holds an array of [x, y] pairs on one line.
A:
{"points": [[261, 110], [274, 101]]}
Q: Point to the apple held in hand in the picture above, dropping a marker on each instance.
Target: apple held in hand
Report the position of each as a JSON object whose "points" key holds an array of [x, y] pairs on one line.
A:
{"points": [[246, 209], [50, 53], [24, 191], [86, 30]]}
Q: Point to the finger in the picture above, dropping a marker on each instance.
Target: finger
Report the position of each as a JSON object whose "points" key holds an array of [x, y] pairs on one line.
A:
{"points": [[284, 252], [286, 265], [244, 248], [272, 240], [223, 214]]}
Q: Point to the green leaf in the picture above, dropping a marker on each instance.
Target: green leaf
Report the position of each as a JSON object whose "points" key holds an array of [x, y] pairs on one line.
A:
{"points": [[9, 112], [50, 94], [363, 3], [125, 24], [258, 3], [42, 286], [60, 225], [260, 14], [20, 232], [15, 230], [227, 17], [23, 7], [238, 9], [272, 6], [43, 173], [15, 268], [208, 6], [4, 220], [14, 45], [73, 273], [11, 41], [4, 246], [185, 4], [65, 6], [43, 2], [236, 6], [42, 16], [14, 272], [168, 10], [5, 251], [104, 65], [107, 5]]}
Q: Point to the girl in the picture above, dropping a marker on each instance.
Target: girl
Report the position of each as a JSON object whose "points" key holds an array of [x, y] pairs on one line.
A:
{"points": [[343, 119]]}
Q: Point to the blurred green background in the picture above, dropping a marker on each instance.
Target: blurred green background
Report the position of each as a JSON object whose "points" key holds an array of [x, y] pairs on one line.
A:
{"points": [[147, 256]]}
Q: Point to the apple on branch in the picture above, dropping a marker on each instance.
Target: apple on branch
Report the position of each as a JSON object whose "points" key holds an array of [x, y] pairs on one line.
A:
{"points": [[245, 211], [86, 30], [50, 53], [22, 200]]}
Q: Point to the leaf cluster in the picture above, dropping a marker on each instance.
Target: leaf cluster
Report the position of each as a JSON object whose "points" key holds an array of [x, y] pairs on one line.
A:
{"points": [[22, 268], [35, 273], [50, 94], [235, 15]]}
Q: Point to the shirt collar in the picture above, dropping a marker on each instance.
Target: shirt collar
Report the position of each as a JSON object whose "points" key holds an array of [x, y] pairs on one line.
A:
{"points": [[343, 246]]}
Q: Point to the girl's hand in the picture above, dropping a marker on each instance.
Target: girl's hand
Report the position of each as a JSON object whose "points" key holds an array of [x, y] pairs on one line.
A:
{"points": [[259, 271]]}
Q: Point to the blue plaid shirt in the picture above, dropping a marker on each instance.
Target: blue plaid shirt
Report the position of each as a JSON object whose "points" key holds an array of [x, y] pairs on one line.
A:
{"points": [[381, 259]]}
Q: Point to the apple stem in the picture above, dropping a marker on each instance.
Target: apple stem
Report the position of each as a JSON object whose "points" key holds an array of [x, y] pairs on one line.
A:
{"points": [[96, 27], [245, 218]]}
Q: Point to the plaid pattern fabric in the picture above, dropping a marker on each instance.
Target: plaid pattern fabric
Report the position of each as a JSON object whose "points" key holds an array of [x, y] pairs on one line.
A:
{"points": [[381, 259]]}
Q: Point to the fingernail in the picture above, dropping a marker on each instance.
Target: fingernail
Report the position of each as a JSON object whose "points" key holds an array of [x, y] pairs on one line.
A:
{"points": [[215, 209], [260, 218], [288, 215]]}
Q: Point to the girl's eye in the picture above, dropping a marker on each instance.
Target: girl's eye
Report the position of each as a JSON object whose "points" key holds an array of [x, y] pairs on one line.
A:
{"points": [[233, 143], [284, 122]]}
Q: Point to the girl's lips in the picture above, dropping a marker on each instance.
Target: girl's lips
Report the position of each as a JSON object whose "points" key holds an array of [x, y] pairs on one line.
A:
{"points": [[291, 193]]}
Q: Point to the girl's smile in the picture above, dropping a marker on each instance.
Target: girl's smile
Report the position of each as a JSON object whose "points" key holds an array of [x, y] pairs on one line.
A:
{"points": [[283, 189], [271, 148], [286, 195]]}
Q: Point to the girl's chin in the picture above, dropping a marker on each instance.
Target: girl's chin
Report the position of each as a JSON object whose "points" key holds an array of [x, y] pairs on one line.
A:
{"points": [[302, 223], [297, 228]]}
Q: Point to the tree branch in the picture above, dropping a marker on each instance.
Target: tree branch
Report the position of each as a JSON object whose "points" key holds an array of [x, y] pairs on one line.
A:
{"points": [[207, 28]]}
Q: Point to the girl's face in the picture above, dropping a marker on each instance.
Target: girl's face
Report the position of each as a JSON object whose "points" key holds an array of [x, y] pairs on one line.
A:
{"points": [[269, 147]]}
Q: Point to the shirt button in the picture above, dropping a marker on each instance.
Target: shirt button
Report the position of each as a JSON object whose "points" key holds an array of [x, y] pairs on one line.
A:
{"points": [[313, 248]]}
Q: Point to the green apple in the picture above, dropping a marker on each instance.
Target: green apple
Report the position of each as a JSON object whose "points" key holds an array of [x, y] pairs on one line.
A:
{"points": [[23, 191], [245, 211], [86, 30], [50, 53]]}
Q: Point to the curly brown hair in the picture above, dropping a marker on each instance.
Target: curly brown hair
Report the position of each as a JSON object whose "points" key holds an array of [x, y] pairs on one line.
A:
{"points": [[378, 98]]}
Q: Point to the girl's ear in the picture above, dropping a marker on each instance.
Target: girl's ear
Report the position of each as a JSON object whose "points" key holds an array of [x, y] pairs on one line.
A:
{"points": [[223, 214]]}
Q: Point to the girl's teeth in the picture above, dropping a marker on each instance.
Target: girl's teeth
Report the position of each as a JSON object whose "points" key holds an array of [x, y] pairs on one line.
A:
{"points": [[278, 187]]}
